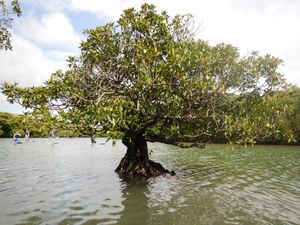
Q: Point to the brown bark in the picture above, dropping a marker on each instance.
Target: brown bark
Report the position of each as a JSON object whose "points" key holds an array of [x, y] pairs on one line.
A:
{"points": [[136, 162]]}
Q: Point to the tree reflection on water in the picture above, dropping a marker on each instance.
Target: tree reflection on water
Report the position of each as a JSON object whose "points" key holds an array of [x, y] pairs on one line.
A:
{"points": [[136, 210]]}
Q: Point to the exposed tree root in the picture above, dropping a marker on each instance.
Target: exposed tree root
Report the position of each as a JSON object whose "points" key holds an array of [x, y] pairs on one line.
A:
{"points": [[136, 162], [141, 168]]}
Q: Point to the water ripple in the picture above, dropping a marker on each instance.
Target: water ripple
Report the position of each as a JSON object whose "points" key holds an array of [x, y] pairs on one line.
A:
{"points": [[74, 183]]}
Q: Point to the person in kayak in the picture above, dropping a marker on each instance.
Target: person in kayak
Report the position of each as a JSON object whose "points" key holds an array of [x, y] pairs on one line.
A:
{"points": [[52, 136], [17, 137], [27, 135], [93, 139]]}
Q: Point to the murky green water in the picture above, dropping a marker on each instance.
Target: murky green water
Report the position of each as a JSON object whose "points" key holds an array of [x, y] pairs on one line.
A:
{"points": [[73, 182]]}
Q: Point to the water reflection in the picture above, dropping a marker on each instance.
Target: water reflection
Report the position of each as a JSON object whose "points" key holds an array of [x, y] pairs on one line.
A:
{"points": [[135, 202], [74, 183]]}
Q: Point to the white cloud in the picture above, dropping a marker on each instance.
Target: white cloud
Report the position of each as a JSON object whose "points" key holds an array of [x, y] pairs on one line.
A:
{"points": [[27, 64], [60, 55], [53, 30], [7, 107], [41, 45], [49, 6], [103, 9], [292, 69]]}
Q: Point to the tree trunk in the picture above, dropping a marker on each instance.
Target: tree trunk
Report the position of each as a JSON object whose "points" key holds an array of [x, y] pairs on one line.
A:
{"points": [[136, 162]]}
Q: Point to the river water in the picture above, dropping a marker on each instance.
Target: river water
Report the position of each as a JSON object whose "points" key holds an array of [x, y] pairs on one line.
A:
{"points": [[73, 182]]}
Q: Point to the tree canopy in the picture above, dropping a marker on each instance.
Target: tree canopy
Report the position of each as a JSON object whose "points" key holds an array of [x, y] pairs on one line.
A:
{"points": [[147, 75], [7, 10]]}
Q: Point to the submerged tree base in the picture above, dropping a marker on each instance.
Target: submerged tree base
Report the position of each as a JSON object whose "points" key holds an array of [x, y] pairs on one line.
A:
{"points": [[139, 168], [136, 162]]}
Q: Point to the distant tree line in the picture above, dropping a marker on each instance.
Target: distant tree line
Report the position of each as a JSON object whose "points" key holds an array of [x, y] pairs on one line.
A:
{"points": [[11, 123]]}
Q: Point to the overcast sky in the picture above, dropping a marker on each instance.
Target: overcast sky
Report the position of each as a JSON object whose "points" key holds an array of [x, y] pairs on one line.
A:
{"points": [[49, 31]]}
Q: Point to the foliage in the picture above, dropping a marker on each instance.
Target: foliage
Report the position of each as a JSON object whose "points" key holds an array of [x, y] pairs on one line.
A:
{"points": [[147, 74], [10, 123], [8, 8], [288, 127]]}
